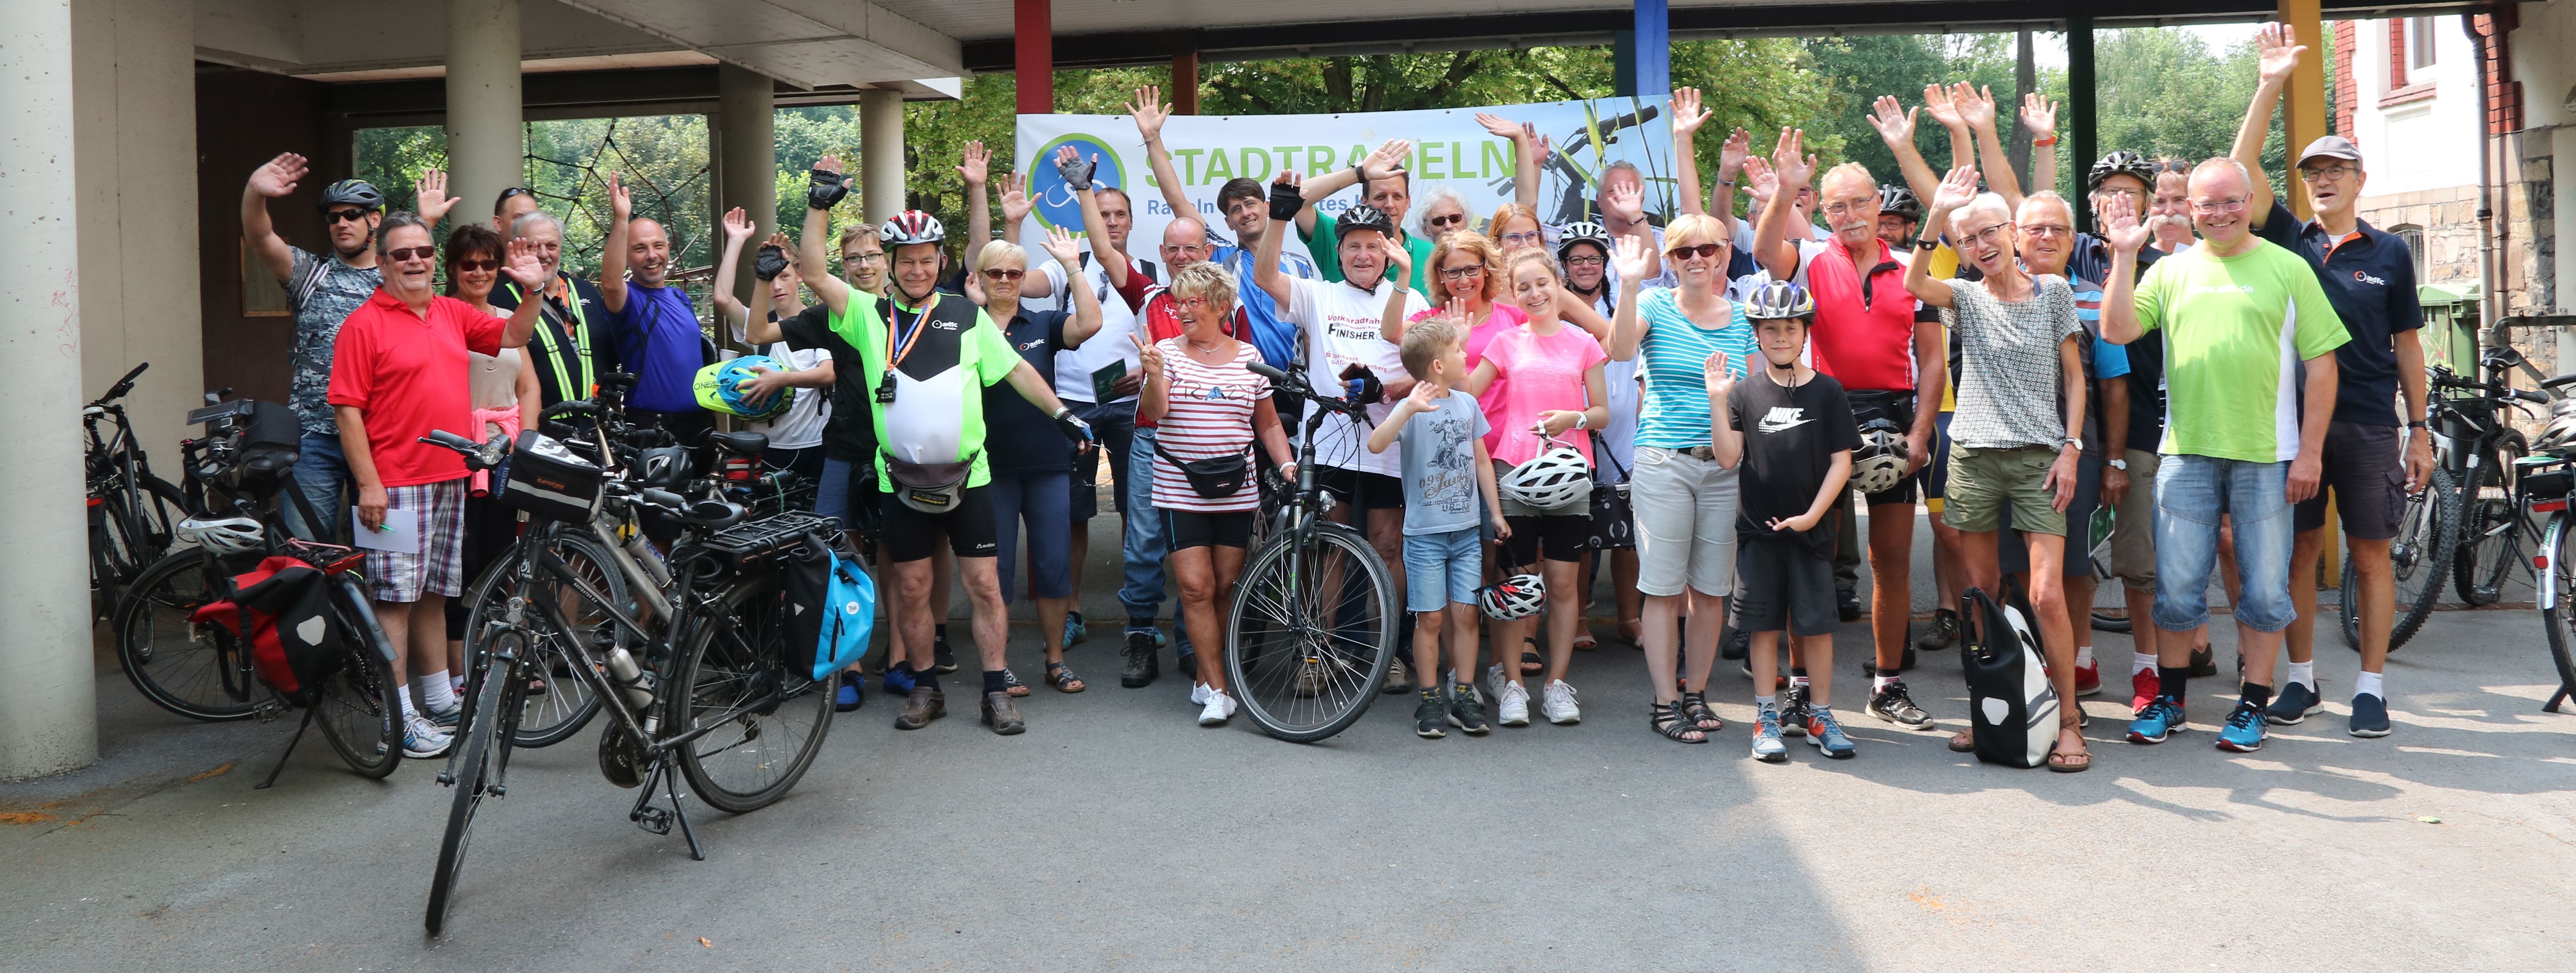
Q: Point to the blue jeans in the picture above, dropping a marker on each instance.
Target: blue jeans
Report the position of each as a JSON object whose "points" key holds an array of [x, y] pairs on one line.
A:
{"points": [[1442, 568], [322, 474], [2192, 492], [1042, 499], [832, 495], [1147, 531]]}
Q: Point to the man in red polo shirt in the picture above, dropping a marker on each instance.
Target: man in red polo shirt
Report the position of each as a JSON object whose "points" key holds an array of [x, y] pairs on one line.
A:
{"points": [[398, 372], [1885, 348]]}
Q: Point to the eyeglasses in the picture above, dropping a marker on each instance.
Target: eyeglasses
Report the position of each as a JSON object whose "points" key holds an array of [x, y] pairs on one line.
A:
{"points": [[2047, 229], [1989, 235], [864, 258], [1190, 303], [1452, 219], [412, 253], [2218, 206], [2326, 174], [1838, 209], [1461, 273], [1586, 261], [2132, 194], [344, 216], [476, 265], [1000, 273], [1703, 250], [1529, 239]]}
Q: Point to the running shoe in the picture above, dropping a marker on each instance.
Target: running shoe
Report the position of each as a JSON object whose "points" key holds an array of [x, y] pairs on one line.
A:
{"points": [[1465, 712], [1399, 677], [1893, 704], [1793, 711], [1943, 632], [2369, 716], [2162, 718], [1847, 603], [1076, 631], [1739, 644], [2144, 687], [1220, 708], [1511, 707], [943, 660], [2088, 679], [2244, 730], [447, 719], [1556, 702], [1766, 738], [1143, 658], [851, 696], [897, 682], [1827, 734], [1198, 694], [423, 739], [1493, 682], [1430, 719], [2297, 701]]}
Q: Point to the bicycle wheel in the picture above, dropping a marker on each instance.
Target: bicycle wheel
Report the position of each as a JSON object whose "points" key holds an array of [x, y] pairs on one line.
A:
{"points": [[1311, 633], [730, 664], [2560, 618], [195, 670], [2488, 548], [2419, 557], [567, 704], [473, 769], [360, 706]]}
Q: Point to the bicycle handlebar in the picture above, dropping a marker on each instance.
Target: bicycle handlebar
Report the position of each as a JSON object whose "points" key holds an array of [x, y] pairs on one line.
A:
{"points": [[122, 387], [478, 456], [568, 408], [1296, 384]]}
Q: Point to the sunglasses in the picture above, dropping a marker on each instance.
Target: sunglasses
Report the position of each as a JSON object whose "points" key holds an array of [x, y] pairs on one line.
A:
{"points": [[517, 191], [475, 265], [411, 253], [1703, 250], [997, 273], [1452, 219], [344, 216]]}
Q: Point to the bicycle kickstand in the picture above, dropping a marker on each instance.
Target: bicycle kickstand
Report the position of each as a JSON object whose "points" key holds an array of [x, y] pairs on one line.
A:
{"points": [[658, 820], [2556, 698], [290, 751]]}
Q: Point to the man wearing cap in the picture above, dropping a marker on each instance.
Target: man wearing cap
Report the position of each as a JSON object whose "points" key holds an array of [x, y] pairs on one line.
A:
{"points": [[2369, 276]]}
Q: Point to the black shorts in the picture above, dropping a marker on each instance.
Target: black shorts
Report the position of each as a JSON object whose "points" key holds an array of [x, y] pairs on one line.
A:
{"points": [[910, 535], [1784, 584], [1192, 528], [1367, 491], [1936, 475], [1899, 409], [1566, 537], [2367, 476]]}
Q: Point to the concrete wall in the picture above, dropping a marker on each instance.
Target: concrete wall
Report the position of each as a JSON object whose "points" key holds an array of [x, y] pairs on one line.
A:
{"points": [[134, 130]]}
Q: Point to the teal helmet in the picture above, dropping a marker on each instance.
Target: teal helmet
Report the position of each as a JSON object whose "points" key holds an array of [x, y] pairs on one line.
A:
{"points": [[719, 388]]}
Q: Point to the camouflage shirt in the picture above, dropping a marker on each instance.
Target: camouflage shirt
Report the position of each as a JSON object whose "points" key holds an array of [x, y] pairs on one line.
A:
{"points": [[341, 289]]}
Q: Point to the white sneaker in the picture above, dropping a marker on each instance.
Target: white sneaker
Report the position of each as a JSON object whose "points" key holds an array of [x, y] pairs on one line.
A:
{"points": [[1220, 708], [1514, 709], [1494, 683], [423, 739], [1557, 704], [1198, 694]]}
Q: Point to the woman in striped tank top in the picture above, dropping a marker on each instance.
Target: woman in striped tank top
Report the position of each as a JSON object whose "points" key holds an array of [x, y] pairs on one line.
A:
{"points": [[1208, 406]]}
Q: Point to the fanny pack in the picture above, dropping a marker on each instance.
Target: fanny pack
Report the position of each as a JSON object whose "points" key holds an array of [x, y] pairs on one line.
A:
{"points": [[1215, 477], [932, 488], [1896, 409]]}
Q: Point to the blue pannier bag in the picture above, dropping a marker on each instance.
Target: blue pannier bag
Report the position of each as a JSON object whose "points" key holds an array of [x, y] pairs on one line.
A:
{"points": [[831, 607]]}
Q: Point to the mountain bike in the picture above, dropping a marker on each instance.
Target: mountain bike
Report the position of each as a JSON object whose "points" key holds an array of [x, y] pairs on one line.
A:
{"points": [[2428, 532], [1312, 629], [131, 511], [2473, 440]]}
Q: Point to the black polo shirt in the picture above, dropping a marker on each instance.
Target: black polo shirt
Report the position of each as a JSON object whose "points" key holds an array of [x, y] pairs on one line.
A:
{"points": [[2369, 277], [850, 435]]}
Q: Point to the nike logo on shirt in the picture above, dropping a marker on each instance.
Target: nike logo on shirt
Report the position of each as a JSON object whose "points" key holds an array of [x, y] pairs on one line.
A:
{"points": [[1782, 419]]}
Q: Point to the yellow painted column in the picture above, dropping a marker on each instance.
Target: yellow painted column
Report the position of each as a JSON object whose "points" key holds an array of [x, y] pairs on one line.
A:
{"points": [[2303, 109]]}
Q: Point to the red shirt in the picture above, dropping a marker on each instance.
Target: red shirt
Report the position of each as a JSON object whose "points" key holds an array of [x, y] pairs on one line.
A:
{"points": [[407, 375], [1161, 316], [1864, 334]]}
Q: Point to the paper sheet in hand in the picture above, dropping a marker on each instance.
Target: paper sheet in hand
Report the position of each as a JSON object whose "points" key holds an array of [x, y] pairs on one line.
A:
{"points": [[401, 533]]}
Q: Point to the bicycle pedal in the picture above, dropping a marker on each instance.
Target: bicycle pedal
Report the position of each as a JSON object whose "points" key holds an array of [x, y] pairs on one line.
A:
{"points": [[267, 711], [653, 819]]}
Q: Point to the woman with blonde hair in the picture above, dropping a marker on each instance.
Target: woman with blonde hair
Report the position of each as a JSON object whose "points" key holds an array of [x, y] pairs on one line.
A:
{"points": [[1517, 228]]}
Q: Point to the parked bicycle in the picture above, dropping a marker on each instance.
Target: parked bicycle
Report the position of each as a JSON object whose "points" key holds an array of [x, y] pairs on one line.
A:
{"points": [[2547, 482], [132, 513]]}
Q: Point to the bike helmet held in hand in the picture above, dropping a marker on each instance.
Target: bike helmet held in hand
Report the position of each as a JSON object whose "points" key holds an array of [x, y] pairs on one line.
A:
{"points": [[222, 535], [1779, 299], [2122, 163], [719, 388], [352, 192], [1556, 478], [1362, 216], [1900, 201], [1879, 464], [1585, 232], [911, 226], [1518, 596]]}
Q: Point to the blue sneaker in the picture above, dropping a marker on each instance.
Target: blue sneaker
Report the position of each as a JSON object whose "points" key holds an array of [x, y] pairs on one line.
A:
{"points": [[2297, 701], [896, 682], [2161, 718], [853, 694], [2244, 730], [1075, 631], [1766, 738], [1827, 734], [2369, 716]]}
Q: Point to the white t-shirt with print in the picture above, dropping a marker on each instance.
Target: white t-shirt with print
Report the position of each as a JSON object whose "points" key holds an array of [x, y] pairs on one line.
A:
{"points": [[1344, 325], [1073, 366]]}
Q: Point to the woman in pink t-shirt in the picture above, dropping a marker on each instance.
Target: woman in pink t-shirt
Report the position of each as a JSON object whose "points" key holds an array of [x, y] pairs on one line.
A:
{"points": [[1543, 381]]}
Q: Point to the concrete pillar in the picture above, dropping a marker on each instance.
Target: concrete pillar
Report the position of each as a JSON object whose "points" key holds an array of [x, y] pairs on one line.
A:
{"points": [[1033, 55], [486, 142], [48, 695], [881, 154], [134, 109], [747, 157]]}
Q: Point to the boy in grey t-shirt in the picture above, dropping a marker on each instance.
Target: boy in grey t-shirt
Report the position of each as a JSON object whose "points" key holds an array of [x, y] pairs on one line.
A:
{"points": [[1445, 468]]}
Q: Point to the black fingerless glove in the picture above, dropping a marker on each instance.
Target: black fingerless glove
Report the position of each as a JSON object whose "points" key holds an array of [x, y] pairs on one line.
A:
{"points": [[1285, 201], [1077, 172], [1072, 426], [1369, 389], [826, 190]]}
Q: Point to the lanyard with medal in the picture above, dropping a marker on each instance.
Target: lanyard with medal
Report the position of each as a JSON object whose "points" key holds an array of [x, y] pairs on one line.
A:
{"points": [[901, 343]]}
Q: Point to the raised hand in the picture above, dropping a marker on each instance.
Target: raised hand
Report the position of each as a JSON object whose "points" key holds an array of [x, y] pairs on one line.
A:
{"points": [[1759, 181], [2039, 115], [778, 238], [1626, 200], [2277, 50], [1150, 112], [1540, 146], [277, 177], [1500, 127], [1937, 103], [1894, 122], [519, 260], [1688, 116], [1076, 170], [975, 165], [1062, 246], [1730, 156], [621, 205], [433, 201], [1718, 372], [1387, 161], [1458, 313], [2121, 226], [737, 225], [1015, 197], [829, 163], [1628, 254], [1150, 352], [1423, 398], [1957, 190], [1787, 159], [1398, 258], [1976, 105]]}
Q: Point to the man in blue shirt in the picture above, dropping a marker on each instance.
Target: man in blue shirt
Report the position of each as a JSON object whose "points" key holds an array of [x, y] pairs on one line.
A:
{"points": [[654, 324], [2369, 277]]}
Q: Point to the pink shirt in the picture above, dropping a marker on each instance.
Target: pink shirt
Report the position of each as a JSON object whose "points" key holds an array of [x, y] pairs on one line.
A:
{"points": [[1534, 374]]}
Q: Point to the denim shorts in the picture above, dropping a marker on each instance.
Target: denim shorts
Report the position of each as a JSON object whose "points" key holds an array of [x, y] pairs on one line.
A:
{"points": [[2191, 493], [1442, 568]]}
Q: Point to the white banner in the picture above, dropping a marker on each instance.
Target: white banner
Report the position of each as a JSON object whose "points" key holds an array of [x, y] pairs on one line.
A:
{"points": [[1451, 151]]}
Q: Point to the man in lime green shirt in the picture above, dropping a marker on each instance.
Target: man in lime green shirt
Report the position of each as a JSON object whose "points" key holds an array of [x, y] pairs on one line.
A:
{"points": [[1388, 187], [2250, 379]]}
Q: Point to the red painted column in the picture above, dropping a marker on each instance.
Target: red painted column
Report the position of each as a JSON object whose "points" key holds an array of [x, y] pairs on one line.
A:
{"points": [[1033, 60]]}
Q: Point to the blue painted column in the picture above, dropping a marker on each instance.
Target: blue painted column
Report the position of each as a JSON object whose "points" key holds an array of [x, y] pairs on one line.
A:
{"points": [[1642, 57]]}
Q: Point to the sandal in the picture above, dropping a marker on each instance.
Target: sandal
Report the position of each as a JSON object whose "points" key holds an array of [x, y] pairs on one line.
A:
{"points": [[1011, 682], [1531, 664], [1583, 641], [1964, 741], [2063, 762], [1667, 719], [1695, 706], [1633, 632], [1062, 678]]}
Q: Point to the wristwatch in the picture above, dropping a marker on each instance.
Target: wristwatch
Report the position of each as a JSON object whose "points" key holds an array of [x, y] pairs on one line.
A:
{"points": [[1927, 246], [2417, 424], [2075, 441], [2120, 465]]}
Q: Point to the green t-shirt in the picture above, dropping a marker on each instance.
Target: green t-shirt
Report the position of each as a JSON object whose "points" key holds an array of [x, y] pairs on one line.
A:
{"points": [[2236, 332], [1324, 245], [937, 415]]}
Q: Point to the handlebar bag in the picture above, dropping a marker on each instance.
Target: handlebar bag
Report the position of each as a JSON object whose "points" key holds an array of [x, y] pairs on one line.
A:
{"points": [[547, 480], [2012, 708], [282, 611], [831, 608]]}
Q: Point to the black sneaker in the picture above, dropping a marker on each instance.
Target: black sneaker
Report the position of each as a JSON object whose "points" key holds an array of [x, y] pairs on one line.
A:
{"points": [[1893, 704], [1465, 713], [1430, 721], [1141, 660], [1847, 601], [1739, 645], [1943, 633], [1793, 711], [943, 660]]}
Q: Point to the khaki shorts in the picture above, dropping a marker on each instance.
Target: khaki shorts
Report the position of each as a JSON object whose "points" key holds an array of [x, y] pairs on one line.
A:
{"points": [[1684, 510], [2133, 524], [1983, 482]]}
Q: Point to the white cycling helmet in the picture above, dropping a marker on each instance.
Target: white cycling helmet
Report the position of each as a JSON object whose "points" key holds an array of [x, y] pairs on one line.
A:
{"points": [[1517, 596], [1555, 478], [1879, 464], [223, 535]]}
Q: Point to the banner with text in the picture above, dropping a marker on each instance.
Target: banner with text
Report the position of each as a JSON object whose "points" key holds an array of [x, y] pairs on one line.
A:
{"points": [[1451, 151]]}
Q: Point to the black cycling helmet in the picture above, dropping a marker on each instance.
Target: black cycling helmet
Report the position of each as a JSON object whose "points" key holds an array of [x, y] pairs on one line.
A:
{"points": [[1362, 216], [352, 192], [1900, 201], [1779, 299], [1584, 232], [2122, 163]]}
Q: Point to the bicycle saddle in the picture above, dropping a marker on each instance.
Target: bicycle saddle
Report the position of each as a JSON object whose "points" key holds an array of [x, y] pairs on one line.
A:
{"points": [[739, 443]]}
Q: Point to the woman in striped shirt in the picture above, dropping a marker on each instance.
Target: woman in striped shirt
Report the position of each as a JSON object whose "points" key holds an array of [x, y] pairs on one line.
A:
{"points": [[1208, 406]]}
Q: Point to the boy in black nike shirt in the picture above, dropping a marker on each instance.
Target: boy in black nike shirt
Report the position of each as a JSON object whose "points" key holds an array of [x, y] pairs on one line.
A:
{"points": [[1790, 431]]}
